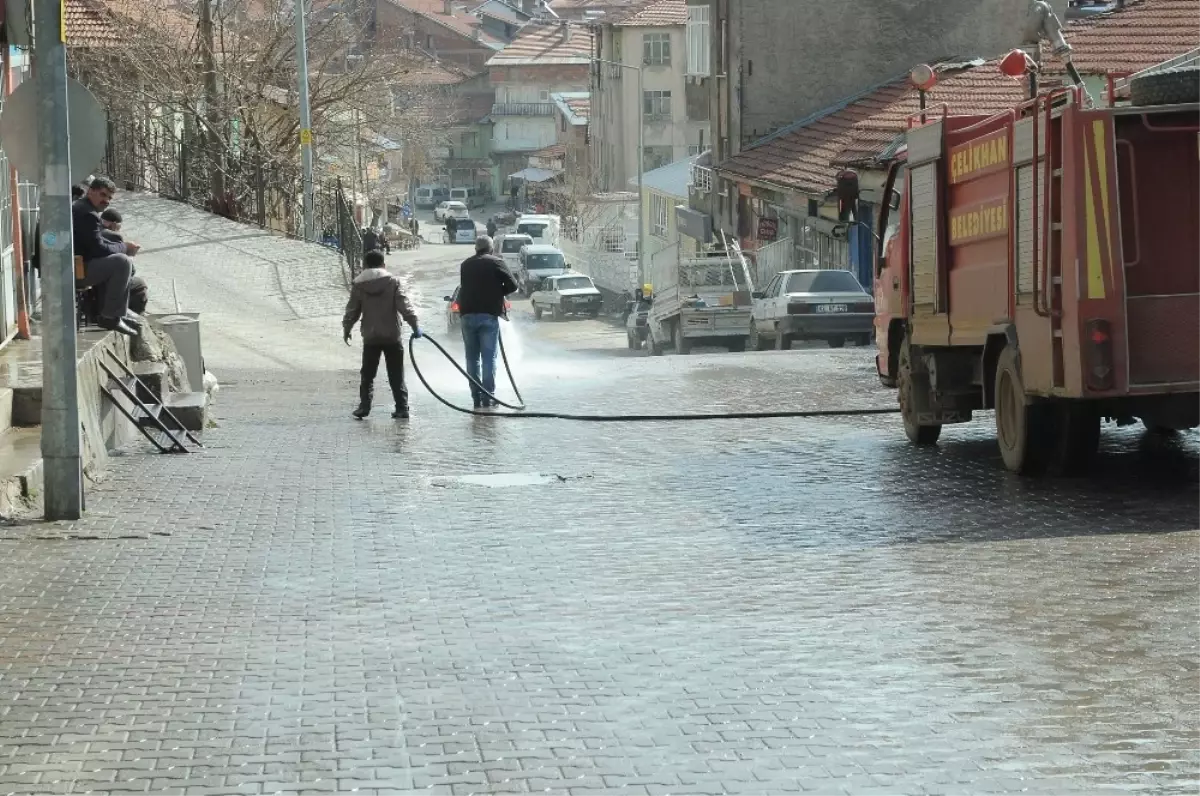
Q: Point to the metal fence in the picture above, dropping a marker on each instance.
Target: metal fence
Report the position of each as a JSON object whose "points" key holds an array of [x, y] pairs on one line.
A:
{"points": [[168, 156]]}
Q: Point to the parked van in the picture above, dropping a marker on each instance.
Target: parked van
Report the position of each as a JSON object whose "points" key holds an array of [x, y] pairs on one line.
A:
{"points": [[539, 262], [545, 229], [429, 195], [471, 197]]}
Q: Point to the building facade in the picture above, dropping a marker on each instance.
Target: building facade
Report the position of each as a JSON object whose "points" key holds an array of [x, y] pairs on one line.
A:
{"points": [[650, 39], [444, 29], [546, 58]]}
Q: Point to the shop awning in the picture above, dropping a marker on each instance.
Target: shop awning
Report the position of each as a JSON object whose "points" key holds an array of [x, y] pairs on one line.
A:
{"points": [[532, 174]]}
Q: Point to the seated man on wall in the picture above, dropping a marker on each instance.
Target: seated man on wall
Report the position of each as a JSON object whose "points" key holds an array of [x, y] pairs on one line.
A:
{"points": [[139, 291], [106, 262]]}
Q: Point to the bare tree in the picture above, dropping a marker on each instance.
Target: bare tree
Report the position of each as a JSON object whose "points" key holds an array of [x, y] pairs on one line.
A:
{"points": [[221, 84]]}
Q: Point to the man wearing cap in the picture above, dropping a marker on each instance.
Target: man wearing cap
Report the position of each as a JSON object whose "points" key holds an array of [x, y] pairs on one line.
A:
{"points": [[484, 282]]}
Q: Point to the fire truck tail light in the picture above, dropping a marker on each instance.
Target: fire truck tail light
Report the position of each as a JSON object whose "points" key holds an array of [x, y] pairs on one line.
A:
{"points": [[1098, 355]]}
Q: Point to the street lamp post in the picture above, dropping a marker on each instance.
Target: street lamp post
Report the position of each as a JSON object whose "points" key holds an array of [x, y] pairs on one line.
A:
{"points": [[641, 164], [306, 150]]}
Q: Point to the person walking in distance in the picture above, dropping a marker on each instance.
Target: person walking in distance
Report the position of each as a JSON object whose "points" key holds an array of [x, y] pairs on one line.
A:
{"points": [[377, 299], [484, 282]]}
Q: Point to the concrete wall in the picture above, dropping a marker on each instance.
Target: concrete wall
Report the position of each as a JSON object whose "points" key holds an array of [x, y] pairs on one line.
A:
{"points": [[786, 60]]}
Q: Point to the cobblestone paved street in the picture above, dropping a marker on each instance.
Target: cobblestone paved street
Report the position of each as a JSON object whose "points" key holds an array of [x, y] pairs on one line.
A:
{"points": [[462, 605]]}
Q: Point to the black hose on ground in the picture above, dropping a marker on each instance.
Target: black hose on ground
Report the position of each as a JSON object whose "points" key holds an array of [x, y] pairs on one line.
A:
{"points": [[520, 411]]}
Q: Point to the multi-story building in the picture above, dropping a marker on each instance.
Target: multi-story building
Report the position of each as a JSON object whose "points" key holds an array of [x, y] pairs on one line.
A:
{"points": [[649, 39], [546, 58]]}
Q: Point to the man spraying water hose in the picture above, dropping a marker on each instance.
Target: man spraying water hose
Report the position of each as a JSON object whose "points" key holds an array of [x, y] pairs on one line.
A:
{"points": [[484, 282]]}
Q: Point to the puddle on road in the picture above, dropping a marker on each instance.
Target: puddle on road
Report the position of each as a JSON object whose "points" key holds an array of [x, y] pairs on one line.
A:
{"points": [[502, 480]]}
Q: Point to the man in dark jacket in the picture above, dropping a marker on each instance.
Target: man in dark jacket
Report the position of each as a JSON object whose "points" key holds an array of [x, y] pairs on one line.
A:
{"points": [[484, 282], [377, 299], [106, 262], [370, 240], [139, 291]]}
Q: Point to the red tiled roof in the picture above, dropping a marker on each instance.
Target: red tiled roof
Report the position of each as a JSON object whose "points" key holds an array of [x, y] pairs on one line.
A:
{"points": [[657, 13], [552, 151], [801, 158], [1140, 35], [464, 24], [980, 90], [105, 23], [546, 44], [89, 24], [431, 72], [806, 158], [581, 106]]}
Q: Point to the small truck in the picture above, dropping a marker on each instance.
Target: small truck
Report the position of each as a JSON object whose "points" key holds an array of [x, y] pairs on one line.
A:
{"points": [[700, 301]]}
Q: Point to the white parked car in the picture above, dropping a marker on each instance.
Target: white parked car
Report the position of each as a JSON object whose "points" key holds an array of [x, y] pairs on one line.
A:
{"points": [[452, 210], [567, 295], [827, 305]]}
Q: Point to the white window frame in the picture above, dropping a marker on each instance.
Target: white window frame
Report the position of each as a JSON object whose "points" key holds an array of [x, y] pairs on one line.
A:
{"points": [[659, 209], [699, 42], [657, 103], [656, 49]]}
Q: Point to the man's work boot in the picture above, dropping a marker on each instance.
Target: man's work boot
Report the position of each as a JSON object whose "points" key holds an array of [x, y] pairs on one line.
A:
{"points": [[364, 402], [401, 413], [117, 325]]}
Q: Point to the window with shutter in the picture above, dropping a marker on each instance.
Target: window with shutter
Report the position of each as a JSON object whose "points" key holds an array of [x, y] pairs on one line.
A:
{"points": [[698, 44]]}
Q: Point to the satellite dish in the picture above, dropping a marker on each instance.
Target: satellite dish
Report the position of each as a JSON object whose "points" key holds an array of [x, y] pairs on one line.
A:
{"points": [[19, 130]]}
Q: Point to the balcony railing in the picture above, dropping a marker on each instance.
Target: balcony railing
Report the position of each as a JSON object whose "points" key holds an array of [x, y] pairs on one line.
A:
{"points": [[523, 109], [701, 178]]}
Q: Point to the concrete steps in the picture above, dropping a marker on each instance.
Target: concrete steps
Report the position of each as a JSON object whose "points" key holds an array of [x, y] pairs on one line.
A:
{"points": [[103, 427], [20, 469]]}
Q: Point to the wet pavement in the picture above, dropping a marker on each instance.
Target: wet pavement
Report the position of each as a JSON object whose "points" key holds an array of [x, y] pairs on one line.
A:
{"points": [[465, 605]]}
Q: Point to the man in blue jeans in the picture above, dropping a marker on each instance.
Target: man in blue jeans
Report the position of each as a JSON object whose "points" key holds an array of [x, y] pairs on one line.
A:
{"points": [[484, 282]]}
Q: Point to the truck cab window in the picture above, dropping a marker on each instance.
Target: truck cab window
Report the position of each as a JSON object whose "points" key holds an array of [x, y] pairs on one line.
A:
{"points": [[891, 209]]}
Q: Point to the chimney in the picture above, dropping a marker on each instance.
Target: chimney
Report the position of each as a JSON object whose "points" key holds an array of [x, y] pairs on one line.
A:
{"points": [[565, 27], [447, 8]]}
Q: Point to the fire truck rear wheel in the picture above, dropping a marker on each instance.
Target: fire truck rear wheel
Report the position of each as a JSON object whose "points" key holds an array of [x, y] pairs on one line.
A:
{"points": [[1020, 424], [1175, 86], [916, 433]]}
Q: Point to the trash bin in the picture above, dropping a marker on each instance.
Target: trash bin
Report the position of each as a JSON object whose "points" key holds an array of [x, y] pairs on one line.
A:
{"points": [[184, 330]]}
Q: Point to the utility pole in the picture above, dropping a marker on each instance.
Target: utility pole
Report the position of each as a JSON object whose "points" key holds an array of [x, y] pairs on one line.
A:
{"points": [[61, 445], [212, 113], [306, 155]]}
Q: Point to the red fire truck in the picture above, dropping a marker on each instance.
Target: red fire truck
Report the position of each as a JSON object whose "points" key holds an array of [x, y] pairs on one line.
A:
{"points": [[1045, 263]]}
